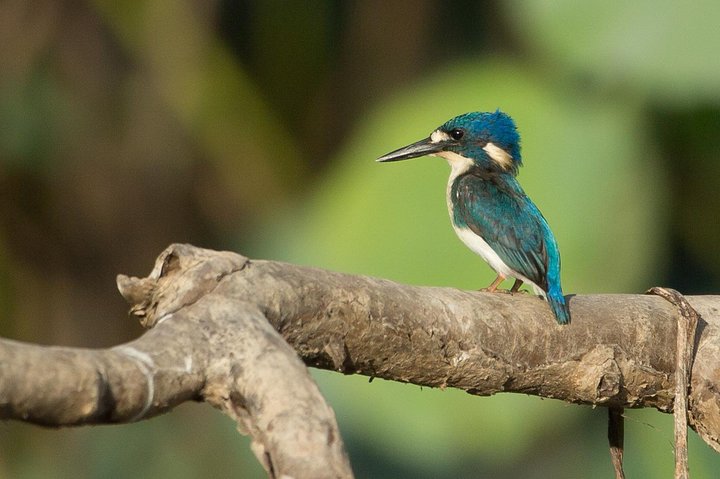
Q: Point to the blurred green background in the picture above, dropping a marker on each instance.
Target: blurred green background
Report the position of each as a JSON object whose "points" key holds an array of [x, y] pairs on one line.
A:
{"points": [[253, 126]]}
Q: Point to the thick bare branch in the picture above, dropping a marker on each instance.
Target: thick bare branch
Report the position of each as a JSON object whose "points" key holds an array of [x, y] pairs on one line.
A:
{"points": [[56, 386], [211, 315], [619, 350]]}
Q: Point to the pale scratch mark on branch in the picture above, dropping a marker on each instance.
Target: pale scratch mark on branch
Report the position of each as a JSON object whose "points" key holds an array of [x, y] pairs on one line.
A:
{"points": [[163, 318], [146, 365]]}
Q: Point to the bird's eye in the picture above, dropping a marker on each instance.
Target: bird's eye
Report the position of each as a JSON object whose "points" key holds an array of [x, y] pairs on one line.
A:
{"points": [[457, 133]]}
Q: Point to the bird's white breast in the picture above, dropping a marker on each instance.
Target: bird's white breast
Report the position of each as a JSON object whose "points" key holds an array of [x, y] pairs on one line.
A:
{"points": [[479, 246]]}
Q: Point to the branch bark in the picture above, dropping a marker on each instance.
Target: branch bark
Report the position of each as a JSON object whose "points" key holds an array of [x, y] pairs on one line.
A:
{"points": [[213, 317]]}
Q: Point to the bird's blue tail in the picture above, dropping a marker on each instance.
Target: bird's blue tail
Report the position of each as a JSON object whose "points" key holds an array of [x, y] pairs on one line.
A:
{"points": [[559, 307]]}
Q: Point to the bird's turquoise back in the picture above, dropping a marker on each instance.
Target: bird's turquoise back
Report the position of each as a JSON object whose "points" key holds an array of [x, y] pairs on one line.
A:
{"points": [[497, 209]]}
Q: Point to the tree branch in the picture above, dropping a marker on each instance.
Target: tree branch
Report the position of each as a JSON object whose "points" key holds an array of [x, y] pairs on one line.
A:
{"points": [[210, 339], [218, 349]]}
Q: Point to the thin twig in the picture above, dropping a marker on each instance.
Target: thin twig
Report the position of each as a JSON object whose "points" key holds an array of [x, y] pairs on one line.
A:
{"points": [[687, 324], [616, 431]]}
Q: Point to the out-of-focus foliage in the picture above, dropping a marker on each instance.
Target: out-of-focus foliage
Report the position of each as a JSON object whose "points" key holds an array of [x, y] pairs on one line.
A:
{"points": [[125, 126], [658, 50]]}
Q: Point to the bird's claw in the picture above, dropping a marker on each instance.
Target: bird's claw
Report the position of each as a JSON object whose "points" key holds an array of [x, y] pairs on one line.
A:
{"points": [[520, 291], [496, 290]]}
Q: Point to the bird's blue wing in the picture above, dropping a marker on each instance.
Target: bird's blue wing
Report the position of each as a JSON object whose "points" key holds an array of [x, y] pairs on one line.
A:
{"points": [[497, 209]]}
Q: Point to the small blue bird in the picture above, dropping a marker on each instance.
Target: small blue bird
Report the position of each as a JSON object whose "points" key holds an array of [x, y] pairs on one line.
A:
{"points": [[489, 210]]}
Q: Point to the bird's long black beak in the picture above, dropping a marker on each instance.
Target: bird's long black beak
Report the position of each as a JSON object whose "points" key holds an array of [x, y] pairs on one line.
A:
{"points": [[417, 149]]}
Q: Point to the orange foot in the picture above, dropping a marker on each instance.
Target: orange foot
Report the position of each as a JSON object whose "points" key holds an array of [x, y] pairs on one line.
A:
{"points": [[493, 287]]}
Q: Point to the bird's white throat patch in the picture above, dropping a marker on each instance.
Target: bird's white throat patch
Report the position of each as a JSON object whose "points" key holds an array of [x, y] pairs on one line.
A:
{"points": [[499, 156], [459, 164]]}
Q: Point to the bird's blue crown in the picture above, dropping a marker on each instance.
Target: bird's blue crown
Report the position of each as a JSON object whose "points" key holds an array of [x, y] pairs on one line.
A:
{"points": [[489, 138]]}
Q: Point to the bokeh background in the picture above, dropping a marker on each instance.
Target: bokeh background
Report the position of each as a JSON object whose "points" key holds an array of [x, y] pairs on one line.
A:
{"points": [[253, 126]]}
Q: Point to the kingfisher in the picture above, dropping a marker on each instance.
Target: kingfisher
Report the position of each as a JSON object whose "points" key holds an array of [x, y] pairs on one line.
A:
{"points": [[488, 208]]}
